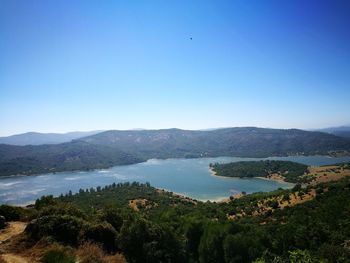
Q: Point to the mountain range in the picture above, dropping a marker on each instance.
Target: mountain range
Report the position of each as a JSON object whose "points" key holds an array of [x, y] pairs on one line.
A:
{"points": [[37, 138], [342, 131], [114, 147]]}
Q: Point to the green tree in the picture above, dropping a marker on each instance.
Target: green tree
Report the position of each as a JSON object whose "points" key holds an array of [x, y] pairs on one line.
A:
{"points": [[210, 248], [144, 241]]}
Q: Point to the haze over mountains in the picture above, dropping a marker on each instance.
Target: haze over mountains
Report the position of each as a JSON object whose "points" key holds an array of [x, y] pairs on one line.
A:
{"points": [[110, 148], [343, 131], [37, 138]]}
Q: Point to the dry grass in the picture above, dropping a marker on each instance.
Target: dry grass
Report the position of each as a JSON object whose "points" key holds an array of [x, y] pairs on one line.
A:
{"points": [[325, 174], [263, 205], [12, 229], [117, 258], [92, 253], [14, 244], [11, 258], [317, 175], [135, 203]]}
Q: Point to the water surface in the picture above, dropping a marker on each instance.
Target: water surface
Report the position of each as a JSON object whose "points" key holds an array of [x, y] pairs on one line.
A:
{"points": [[189, 177]]}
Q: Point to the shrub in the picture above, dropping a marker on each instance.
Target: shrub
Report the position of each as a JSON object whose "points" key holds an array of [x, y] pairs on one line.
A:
{"points": [[102, 233], [112, 216], [90, 253], [93, 253], [11, 213], [274, 204], [2, 222], [64, 228], [58, 254], [62, 209], [301, 256]]}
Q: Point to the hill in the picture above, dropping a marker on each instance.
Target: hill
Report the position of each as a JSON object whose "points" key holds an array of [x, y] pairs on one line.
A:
{"points": [[244, 142], [342, 131], [36, 138], [120, 147], [76, 155]]}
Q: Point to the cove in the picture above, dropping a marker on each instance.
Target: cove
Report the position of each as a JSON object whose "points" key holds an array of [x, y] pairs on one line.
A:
{"points": [[189, 177]]}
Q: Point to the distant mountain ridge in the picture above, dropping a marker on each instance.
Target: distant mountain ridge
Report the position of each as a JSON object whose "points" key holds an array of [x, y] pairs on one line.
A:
{"points": [[37, 138], [342, 131], [110, 148], [242, 141]]}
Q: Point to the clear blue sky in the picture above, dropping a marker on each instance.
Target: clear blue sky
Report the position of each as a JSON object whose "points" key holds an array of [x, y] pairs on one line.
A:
{"points": [[86, 65]]}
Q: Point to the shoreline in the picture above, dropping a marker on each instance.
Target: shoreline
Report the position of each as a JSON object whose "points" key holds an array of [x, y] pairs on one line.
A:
{"points": [[239, 195], [273, 179], [184, 195], [177, 158], [181, 195], [213, 173]]}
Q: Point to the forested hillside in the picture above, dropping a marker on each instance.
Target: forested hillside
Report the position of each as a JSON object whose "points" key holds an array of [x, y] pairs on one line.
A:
{"points": [[261, 227], [124, 147], [75, 155], [244, 142]]}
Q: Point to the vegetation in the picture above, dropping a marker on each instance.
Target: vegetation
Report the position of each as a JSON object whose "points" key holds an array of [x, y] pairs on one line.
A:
{"points": [[71, 156], [291, 171], [13, 213], [124, 147], [58, 254], [172, 228]]}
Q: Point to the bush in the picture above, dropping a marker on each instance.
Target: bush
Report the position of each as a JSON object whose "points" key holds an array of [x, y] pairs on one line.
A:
{"points": [[11, 213], [112, 216], [301, 256], [90, 253], [65, 228], [58, 254], [62, 209], [273, 204], [2, 222], [102, 233]]}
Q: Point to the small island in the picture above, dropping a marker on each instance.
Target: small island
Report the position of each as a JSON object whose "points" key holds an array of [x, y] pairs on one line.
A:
{"points": [[279, 170]]}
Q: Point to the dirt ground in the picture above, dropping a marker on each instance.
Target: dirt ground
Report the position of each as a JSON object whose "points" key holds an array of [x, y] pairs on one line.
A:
{"points": [[12, 230]]}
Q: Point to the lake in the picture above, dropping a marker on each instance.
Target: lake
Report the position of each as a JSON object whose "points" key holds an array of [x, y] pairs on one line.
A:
{"points": [[190, 177]]}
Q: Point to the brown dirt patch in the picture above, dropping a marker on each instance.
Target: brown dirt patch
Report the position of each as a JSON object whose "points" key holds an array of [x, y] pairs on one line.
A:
{"points": [[135, 203], [8, 237], [325, 174], [12, 229], [11, 258]]}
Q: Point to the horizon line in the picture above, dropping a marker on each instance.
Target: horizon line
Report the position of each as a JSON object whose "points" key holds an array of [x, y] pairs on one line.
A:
{"points": [[150, 129]]}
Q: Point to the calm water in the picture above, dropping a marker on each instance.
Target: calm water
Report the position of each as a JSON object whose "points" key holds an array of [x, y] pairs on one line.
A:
{"points": [[190, 177]]}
